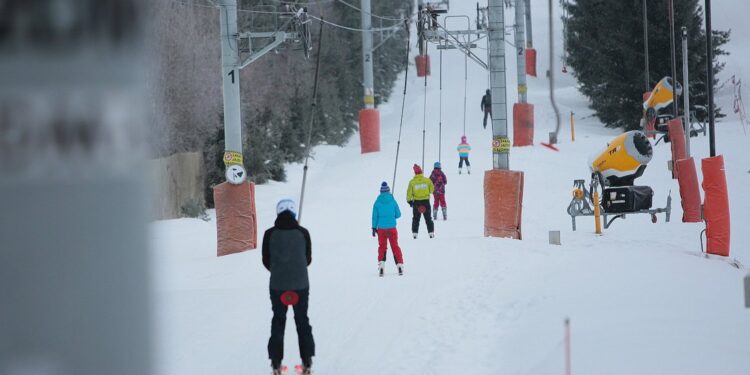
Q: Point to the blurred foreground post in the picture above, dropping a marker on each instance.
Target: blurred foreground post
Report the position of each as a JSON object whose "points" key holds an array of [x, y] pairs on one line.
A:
{"points": [[74, 288]]}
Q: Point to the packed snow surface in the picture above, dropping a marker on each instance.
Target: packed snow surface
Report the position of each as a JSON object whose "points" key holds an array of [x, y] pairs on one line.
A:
{"points": [[640, 298]]}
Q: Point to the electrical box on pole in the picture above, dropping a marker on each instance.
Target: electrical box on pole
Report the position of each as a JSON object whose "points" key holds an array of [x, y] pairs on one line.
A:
{"points": [[369, 117]]}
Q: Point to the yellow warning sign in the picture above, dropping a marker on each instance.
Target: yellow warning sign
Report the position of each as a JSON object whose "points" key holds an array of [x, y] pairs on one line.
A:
{"points": [[500, 145], [232, 158]]}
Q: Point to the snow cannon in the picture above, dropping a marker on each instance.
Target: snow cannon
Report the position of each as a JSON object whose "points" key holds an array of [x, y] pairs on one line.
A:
{"points": [[624, 159], [611, 193], [658, 99]]}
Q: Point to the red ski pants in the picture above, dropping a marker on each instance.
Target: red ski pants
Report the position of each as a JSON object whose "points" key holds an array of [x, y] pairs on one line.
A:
{"points": [[390, 235], [439, 201]]}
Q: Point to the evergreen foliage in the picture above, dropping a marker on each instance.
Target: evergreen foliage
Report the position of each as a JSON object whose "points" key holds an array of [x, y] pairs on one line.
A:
{"points": [[605, 49]]}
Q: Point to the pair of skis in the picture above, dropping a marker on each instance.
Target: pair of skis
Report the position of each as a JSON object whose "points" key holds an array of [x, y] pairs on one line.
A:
{"points": [[298, 369], [381, 272]]}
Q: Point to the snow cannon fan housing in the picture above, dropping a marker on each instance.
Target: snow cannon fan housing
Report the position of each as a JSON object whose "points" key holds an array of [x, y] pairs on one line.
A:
{"points": [[660, 97], [623, 160]]}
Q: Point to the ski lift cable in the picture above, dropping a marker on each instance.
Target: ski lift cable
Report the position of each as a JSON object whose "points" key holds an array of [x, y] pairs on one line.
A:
{"points": [[392, 27], [403, 105], [424, 119], [466, 78], [371, 14], [313, 111], [440, 111]]}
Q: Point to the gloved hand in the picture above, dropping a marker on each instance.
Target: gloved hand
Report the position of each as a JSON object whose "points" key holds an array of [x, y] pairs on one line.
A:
{"points": [[411, 203], [374, 232]]}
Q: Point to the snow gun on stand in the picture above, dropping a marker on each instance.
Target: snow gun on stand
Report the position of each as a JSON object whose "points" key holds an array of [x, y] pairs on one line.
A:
{"points": [[656, 115], [614, 171]]}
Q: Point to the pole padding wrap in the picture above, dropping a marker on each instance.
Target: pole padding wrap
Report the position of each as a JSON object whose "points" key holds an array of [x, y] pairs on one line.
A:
{"points": [[716, 205], [690, 194], [503, 203], [523, 124], [423, 65], [677, 138], [369, 130], [236, 224], [531, 62]]}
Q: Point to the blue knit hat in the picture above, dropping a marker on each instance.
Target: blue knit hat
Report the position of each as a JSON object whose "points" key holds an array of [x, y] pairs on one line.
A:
{"points": [[384, 187], [437, 164]]}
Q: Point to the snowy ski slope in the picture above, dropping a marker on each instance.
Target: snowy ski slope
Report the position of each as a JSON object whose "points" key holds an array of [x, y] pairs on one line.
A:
{"points": [[640, 298]]}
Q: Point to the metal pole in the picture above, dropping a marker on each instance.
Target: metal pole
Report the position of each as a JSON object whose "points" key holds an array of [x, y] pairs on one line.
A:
{"points": [[520, 55], [553, 135], [645, 45], [496, 37], [230, 71], [686, 89], [675, 107], [710, 83], [367, 55], [529, 37]]}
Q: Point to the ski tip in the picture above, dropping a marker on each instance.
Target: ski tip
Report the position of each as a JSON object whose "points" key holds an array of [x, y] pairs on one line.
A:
{"points": [[550, 146]]}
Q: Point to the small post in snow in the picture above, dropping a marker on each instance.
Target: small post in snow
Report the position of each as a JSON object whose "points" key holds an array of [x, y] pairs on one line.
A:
{"points": [[567, 347]]}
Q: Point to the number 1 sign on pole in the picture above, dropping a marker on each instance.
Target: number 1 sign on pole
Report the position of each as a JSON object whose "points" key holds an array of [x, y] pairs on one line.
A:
{"points": [[230, 63]]}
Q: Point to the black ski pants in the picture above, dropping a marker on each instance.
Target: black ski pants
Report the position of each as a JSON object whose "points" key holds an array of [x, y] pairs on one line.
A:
{"points": [[278, 324], [461, 161], [487, 112], [427, 213]]}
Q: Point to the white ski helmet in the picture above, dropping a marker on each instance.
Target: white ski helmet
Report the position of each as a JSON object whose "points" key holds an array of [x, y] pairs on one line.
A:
{"points": [[286, 204]]}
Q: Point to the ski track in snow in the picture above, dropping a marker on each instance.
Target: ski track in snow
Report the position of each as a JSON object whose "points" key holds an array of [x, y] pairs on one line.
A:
{"points": [[639, 297]]}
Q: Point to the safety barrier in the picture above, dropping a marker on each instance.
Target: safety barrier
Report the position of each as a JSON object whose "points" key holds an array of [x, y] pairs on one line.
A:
{"points": [[503, 203], [523, 124], [423, 65], [236, 224], [369, 130], [531, 62], [690, 194], [716, 206]]}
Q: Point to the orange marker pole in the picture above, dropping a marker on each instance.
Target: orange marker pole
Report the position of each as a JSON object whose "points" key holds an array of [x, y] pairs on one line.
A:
{"points": [[572, 127], [597, 214]]}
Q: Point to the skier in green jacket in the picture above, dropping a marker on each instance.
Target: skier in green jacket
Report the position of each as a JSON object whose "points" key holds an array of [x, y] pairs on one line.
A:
{"points": [[418, 196]]}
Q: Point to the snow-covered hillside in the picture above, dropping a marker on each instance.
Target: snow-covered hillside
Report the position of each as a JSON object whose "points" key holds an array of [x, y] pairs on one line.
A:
{"points": [[640, 298]]}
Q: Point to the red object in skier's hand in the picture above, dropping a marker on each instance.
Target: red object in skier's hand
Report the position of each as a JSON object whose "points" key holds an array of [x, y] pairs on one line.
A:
{"points": [[289, 298]]}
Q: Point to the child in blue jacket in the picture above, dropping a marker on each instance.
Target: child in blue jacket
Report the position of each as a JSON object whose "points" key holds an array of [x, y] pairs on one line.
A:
{"points": [[385, 211]]}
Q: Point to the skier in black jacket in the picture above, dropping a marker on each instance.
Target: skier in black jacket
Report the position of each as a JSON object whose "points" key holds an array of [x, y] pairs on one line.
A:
{"points": [[486, 107], [287, 253]]}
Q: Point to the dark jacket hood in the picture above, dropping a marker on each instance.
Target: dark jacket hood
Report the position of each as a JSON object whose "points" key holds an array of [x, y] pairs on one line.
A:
{"points": [[286, 220]]}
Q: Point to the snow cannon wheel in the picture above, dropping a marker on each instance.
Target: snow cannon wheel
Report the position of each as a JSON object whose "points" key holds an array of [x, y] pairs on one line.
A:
{"points": [[289, 298]]}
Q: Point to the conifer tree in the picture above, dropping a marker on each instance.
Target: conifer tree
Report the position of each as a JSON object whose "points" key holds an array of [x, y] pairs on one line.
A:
{"points": [[605, 50]]}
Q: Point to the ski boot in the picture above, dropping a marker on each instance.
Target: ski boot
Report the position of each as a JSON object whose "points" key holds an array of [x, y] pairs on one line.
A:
{"points": [[468, 169], [434, 214], [414, 235], [400, 267], [277, 369], [459, 170], [305, 368], [445, 213], [381, 264], [432, 235]]}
